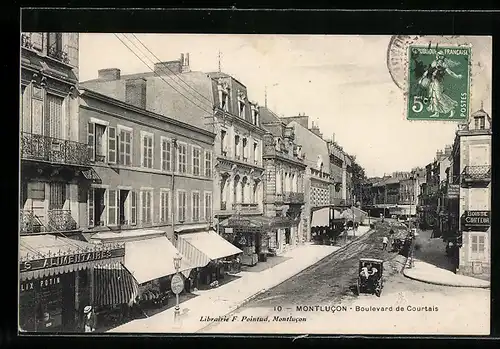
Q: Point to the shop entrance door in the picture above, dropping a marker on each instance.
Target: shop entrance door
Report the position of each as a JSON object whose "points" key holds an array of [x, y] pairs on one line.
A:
{"points": [[68, 302]]}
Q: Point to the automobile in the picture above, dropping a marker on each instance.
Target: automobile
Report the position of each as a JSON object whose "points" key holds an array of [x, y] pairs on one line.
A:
{"points": [[372, 282]]}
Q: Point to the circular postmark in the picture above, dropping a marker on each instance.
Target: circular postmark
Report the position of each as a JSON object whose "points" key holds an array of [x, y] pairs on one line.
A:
{"points": [[397, 57]]}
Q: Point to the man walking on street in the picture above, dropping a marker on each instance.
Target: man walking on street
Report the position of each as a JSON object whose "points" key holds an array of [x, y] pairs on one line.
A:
{"points": [[385, 241]]}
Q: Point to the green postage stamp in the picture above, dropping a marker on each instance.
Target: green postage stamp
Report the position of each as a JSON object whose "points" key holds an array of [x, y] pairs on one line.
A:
{"points": [[438, 83]]}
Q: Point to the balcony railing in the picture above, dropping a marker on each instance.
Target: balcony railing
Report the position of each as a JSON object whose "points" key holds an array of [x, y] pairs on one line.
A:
{"points": [[57, 220], [477, 173], [293, 198], [58, 54], [55, 150], [270, 150], [246, 207]]}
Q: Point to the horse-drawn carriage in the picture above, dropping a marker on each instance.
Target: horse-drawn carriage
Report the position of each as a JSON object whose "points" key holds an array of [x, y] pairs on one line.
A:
{"points": [[370, 276]]}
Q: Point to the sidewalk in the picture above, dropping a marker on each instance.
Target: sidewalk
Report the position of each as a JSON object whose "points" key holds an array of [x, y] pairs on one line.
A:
{"points": [[228, 297], [434, 267], [431, 274]]}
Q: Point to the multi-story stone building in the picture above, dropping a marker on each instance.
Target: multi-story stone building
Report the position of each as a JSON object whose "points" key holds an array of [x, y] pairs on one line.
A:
{"points": [[56, 266], [217, 103], [471, 170], [336, 172], [283, 182], [317, 179]]}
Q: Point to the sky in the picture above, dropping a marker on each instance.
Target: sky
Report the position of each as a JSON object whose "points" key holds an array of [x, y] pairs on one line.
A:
{"points": [[341, 82]]}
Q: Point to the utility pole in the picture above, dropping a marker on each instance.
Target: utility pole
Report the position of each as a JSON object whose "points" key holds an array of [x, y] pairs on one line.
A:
{"points": [[265, 96]]}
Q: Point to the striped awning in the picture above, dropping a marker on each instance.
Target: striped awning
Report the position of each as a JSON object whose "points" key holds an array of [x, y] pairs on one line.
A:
{"points": [[151, 259], [202, 247], [48, 255], [114, 285]]}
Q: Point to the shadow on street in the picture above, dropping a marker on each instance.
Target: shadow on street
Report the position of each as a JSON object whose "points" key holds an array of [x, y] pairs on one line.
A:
{"points": [[432, 251]]}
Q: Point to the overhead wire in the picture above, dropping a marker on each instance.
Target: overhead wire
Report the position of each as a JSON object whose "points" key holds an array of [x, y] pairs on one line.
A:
{"points": [[161, 77]]}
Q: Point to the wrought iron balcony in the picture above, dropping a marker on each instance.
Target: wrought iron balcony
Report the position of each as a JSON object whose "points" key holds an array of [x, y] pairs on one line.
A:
{"points": [[55, 150], [246, 207], [58, 54], [477, 173], [30, 223], [293, 198], [61, 220], [57, 220], [270, 151]]}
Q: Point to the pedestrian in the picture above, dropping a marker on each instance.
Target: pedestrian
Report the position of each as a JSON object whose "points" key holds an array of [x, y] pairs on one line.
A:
{"points": [[90, 319], [385, 241]]}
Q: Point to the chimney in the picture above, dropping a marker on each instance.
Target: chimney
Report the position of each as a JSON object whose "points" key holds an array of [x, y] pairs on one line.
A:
{"points": [[315, 129], [185, 63], [108, 74], [135, 92], [333, 137], [169, 67]]}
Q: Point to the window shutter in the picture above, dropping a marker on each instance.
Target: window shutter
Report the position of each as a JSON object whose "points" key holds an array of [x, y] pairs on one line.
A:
{"points": [[112, 145], [91, 140], [90, 205], [133, 208]]}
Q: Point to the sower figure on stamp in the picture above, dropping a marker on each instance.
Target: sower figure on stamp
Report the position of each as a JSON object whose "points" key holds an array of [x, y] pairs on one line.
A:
{"points": [[439, 102]]}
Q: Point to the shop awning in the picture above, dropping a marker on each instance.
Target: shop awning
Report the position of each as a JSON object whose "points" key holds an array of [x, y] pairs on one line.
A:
{"points": [[91, 175], [202, 247], [321, 218], [150, 259], [114, 285], [47, 255]]}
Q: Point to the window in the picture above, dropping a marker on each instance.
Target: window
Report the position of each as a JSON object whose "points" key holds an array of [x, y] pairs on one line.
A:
{"points": [[479, 123], [147, 150], [36, 190], [223, 140], [255, 152], [54, 43], [166, 154], [196, 206], [164, 205], [124, 207], [55, 116], [97, 142], [112, 207], [182, 160], [146, 206], [125, 148], [237, 146], [478, 246], [181, 206], [96, 206], [208, 206], [196, 161], [57, 195], [245, 149], [208, 164]]}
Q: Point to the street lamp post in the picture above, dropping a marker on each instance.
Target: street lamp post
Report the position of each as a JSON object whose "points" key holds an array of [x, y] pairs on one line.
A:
{"points": [[177, 266]]}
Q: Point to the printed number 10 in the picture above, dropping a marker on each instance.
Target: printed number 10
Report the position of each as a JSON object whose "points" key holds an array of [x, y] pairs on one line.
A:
{"points": [[278, 308]]}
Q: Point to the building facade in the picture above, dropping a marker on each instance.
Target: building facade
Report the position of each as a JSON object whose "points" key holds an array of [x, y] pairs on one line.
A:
{"points": [[317, 179], [283, 182], [155, 172], [471, 170], [56, 264]]}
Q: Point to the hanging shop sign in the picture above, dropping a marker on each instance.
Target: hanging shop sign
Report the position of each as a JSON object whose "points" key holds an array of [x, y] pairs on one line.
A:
{"points": [[453, 191], [69, 259], [474, 219]]}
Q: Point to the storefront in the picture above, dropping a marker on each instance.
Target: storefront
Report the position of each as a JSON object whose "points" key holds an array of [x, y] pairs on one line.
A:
{"points": [[56, 280], [210, 255], [249, 234]]}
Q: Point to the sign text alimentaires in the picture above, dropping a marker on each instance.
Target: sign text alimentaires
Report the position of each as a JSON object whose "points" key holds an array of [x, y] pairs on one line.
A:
{"points": [[57, 261]]}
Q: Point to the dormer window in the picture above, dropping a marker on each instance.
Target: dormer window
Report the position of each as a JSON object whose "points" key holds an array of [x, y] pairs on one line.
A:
{"points": [[223, 90], [479, 123], [241, 104]]}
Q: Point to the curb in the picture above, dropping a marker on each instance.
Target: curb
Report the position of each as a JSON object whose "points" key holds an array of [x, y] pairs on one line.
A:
{"points": [[248, 299], [445, 284]]}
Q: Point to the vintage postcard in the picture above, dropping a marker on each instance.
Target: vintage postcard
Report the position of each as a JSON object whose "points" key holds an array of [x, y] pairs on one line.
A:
{"points": [[256, 184]]}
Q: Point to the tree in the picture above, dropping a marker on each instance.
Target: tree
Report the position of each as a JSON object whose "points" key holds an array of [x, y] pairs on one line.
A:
{"points": [[358, 177]]}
